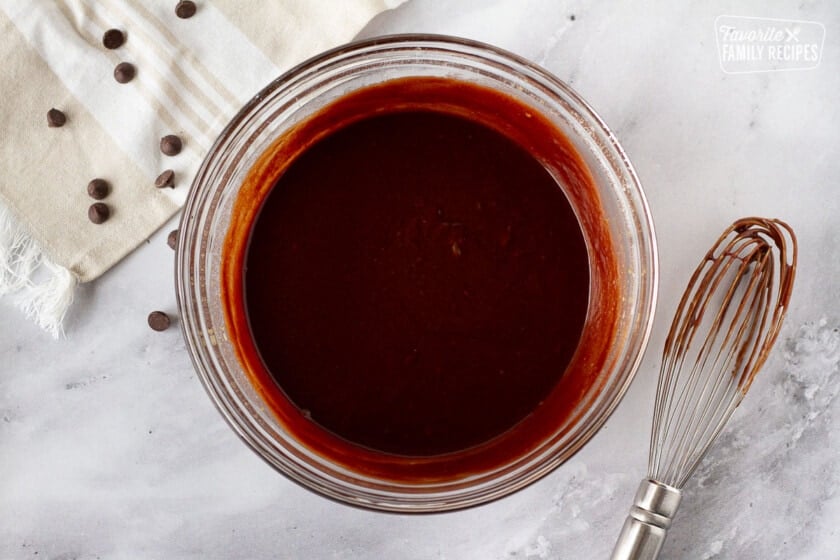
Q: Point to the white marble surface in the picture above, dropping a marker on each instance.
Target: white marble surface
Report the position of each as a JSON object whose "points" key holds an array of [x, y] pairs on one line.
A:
{"points": [[109, 447]]}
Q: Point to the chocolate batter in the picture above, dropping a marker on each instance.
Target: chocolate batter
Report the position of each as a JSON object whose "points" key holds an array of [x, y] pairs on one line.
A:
{"points": [[415, 282]]}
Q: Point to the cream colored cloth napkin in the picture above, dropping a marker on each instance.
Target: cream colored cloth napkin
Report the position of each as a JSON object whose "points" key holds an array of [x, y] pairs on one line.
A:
{"points": [[192, 76]]}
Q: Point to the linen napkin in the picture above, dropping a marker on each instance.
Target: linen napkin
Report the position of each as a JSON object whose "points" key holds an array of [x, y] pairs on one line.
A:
{"points": [[192, 75]]}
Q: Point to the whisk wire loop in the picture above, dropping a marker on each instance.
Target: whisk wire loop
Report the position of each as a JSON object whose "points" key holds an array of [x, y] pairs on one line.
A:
{"points": [[725, 323]]}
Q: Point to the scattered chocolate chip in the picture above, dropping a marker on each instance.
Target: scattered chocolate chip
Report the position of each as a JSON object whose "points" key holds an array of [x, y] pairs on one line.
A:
{"points": [[98, 189], [55, 118], [170, 145], [159, 321], [113, 39], [572, 17], [124, 72], [165, 179], [98, 212], [185, 9], [172, 239]]}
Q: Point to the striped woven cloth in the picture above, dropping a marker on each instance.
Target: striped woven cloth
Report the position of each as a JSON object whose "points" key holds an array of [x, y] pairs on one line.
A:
{"points": [[191, 77]]}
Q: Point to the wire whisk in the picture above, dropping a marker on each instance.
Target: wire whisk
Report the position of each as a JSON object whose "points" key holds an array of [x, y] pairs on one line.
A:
{"points": [[723, 330]]}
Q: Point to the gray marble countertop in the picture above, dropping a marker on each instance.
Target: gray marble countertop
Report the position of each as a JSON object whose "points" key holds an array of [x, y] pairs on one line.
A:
{"points": [[111, 449]]}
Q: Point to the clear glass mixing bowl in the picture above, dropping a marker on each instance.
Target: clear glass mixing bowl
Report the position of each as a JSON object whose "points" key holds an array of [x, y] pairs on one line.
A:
{"points": [[298, 94]]}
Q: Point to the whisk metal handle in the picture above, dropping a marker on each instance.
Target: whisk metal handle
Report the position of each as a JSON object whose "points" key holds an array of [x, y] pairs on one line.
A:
{"points": [[648, 522]]}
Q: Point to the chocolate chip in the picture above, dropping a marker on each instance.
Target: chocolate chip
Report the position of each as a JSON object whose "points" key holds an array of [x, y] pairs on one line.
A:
{"points": [[172, 239], [113, 39], [165, 179], [124, 72], [98, 189], [185, 9], [170, 145], [55, 118], [99, 212], [159, 321]]}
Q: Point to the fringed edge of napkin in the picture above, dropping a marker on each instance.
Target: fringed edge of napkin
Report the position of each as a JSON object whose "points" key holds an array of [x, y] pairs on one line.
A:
{"points": [[42, 289]]}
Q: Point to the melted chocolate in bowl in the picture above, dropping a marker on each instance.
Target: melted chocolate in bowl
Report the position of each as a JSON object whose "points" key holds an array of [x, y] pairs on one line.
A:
{"points": [[416, 282], [407, 282]]}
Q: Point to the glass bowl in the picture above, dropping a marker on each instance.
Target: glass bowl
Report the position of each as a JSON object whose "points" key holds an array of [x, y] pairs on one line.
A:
{"points": [[620, 213]]}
